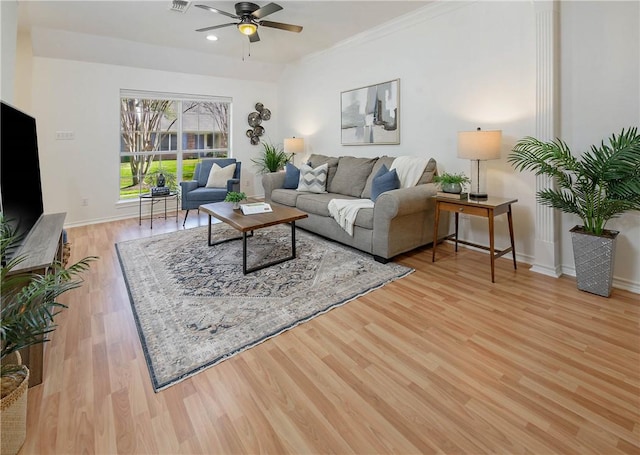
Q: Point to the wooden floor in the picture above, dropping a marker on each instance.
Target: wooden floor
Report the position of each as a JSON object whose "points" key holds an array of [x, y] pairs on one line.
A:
{"points": [[441, 361]]}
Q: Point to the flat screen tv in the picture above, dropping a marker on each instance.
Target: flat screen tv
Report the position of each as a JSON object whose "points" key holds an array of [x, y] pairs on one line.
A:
{"points": [[20, 186]]}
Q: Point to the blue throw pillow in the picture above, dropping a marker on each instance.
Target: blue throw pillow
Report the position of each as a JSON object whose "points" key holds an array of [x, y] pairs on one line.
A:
{"points": [[385, 180], [292, 177]]}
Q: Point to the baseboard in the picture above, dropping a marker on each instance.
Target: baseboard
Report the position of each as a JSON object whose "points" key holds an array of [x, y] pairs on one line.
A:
{"points": [[618, 283]]}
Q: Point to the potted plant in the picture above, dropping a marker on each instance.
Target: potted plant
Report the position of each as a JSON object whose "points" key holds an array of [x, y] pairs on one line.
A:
{"points": [[600, 185], [162, 178], [236, 198], [451, 183], [273, 158], [26, 318]]}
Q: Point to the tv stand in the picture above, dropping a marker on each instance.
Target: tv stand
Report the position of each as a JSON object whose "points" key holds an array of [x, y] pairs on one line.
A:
{"points": [[41, 248]]}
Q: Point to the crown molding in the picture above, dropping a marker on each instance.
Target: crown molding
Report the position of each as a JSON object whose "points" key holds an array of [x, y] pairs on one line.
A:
{"points": [[432, 10]]}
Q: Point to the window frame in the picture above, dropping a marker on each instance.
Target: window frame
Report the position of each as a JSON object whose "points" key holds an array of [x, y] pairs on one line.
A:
{"points": [[180, 99]]}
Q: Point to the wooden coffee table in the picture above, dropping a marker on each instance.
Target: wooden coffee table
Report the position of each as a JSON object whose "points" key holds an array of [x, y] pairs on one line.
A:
{"points": [[224, 212]]}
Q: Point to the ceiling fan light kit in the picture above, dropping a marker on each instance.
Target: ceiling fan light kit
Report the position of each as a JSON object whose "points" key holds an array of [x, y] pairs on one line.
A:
{"points": [[249, 16], [247, 27]]}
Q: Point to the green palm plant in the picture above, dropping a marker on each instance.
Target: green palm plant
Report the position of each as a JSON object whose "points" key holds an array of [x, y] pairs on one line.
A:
{"points": [[29, 301], [600, 185], [273, 158]]}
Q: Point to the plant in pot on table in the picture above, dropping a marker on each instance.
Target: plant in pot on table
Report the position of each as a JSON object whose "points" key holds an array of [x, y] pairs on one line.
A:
{"points": [[451, 183], [162, 178], [600, 185], [28, 309], [236, 198]]}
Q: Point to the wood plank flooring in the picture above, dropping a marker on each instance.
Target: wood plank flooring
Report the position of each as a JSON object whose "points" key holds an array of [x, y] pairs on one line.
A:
{"points": [[442, 361]]}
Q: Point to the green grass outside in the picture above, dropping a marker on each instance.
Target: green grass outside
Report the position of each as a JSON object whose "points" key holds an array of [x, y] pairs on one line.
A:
{"points": [[126, 180]]}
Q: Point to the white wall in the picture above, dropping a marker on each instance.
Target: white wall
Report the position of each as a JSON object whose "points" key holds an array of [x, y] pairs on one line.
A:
{"points": [[463, 65], [460, 66], [84, 98], [600, 95]]}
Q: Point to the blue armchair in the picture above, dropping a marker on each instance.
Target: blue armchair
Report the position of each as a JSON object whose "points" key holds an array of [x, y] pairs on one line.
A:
{"points": [[195, 193]]}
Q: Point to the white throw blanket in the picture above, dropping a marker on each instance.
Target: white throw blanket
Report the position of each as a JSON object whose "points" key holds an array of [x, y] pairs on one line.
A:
{"points": [[409, 169], [345, 211]]}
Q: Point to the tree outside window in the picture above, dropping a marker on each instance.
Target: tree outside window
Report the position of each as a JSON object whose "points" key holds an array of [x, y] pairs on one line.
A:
{"points": [[170, 136]]}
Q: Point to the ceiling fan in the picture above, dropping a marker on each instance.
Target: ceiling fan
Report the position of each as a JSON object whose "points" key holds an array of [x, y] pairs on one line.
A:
{"points": [[250, 15]]}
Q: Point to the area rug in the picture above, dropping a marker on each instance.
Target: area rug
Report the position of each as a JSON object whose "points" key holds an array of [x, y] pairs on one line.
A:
{"points": [[194, 307]]}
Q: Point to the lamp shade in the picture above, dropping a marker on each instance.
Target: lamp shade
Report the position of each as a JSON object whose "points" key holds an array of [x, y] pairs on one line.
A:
{"points": [[294, 145], [479, 145]]}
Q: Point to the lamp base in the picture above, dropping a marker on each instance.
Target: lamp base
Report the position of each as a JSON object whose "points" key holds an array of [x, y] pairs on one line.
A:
{"points": [[478, 196]]}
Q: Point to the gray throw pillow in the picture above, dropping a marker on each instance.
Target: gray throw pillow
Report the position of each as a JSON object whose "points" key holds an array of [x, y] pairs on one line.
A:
{"points": [[351, 175], [429, 171]]}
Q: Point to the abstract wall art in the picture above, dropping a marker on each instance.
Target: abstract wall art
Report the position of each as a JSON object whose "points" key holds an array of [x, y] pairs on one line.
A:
{"points": [[370, 115]]}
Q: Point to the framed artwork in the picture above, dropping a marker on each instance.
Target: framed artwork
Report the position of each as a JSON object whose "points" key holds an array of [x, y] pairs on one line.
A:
{"points": [[370, 115]]}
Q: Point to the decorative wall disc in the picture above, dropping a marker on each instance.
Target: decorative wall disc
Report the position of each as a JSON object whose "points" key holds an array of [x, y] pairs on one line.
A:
{"points": [[254, 119], [265, 114]]}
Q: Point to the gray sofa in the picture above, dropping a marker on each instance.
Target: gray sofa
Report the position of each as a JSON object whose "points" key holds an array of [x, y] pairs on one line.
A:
{"points": [[400, 220]]}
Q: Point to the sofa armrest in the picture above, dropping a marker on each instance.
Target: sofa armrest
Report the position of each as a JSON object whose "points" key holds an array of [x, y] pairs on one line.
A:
{"points": [[403, 220], [270, 182], [188, 185], [233, 185], [404, 201]]}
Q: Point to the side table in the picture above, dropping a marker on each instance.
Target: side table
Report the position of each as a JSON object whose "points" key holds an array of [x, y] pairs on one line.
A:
{"points": [[148, 197], [487, 208]]}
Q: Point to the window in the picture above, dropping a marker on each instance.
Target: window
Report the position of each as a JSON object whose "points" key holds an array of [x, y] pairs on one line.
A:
{"points": [[168, 133]]}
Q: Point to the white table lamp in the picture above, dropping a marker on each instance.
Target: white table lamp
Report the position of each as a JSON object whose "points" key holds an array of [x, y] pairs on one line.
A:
{"points": [[293, 145], [479, 146]]}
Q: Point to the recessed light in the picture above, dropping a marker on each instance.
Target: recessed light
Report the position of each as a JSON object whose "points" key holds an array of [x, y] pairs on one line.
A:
{"points": [[212, 37]]}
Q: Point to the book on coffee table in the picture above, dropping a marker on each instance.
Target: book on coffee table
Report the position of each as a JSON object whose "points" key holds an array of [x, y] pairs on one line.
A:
{"points": [[452, 195], [254, 208]]}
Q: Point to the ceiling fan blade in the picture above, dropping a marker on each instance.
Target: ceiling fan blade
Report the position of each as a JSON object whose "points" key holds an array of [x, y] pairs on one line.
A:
{"points": [[213, 27], [254, 38], [266, 10], [213, 10], [281, 26]]}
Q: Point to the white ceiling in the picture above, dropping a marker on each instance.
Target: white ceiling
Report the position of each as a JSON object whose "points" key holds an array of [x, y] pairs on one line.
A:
{"points": [[151, 22]]}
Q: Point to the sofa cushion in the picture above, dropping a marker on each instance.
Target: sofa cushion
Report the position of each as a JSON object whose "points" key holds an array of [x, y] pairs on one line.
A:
{"points": [[318, 203], [382, 161], [364, 218], [219, 176], [292, 177], [385, 180], [332, 162], [207, 195], [285, 196], [351, 175], [313, 180], [429, 171]]}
